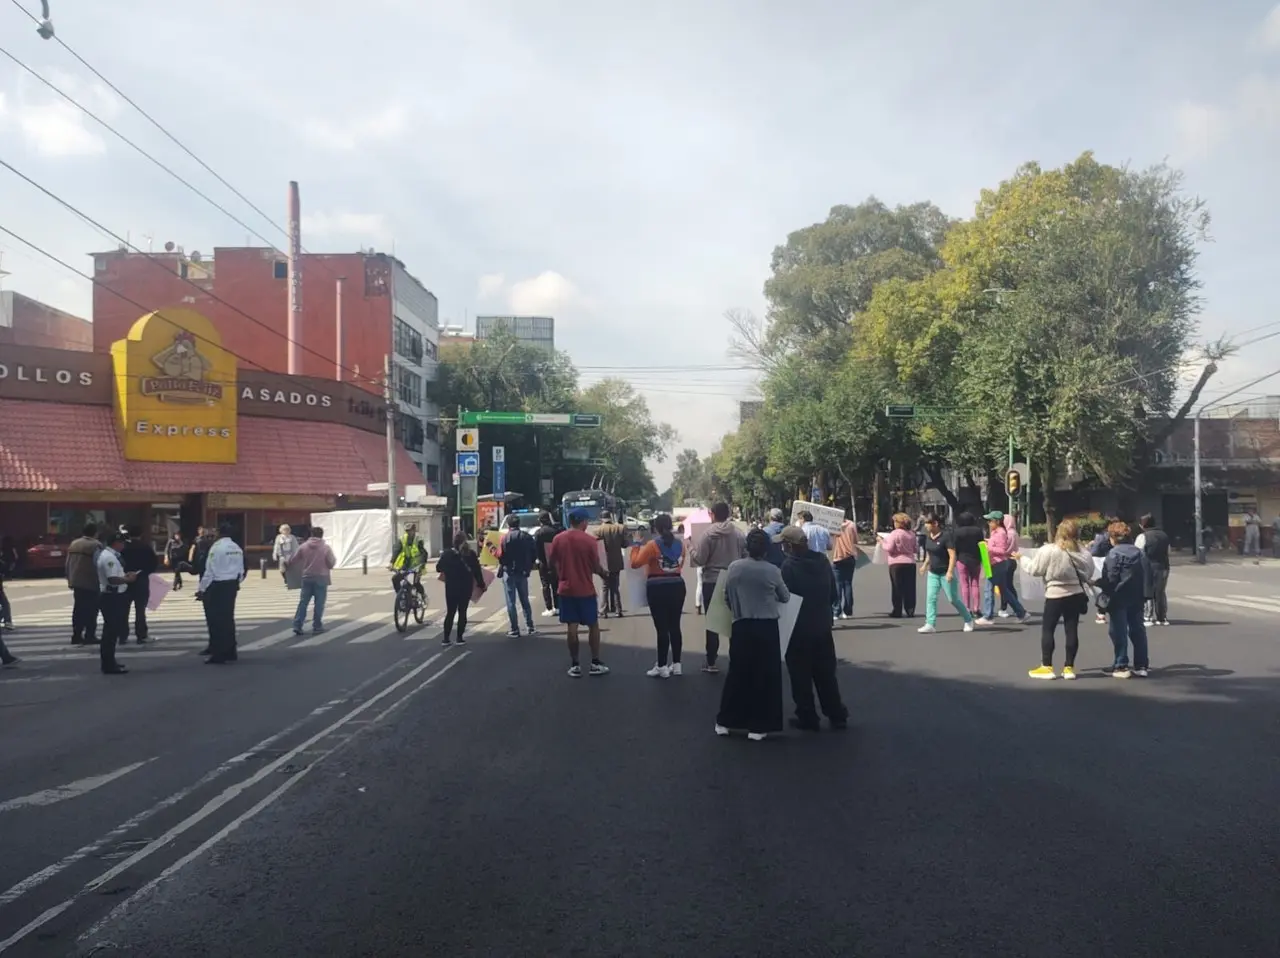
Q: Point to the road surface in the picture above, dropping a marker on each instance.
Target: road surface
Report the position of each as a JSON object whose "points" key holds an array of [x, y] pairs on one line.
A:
{"points": [[388, 798]]}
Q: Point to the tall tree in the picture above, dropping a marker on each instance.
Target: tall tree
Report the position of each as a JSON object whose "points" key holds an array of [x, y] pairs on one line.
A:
{"points": [[629, 437]]}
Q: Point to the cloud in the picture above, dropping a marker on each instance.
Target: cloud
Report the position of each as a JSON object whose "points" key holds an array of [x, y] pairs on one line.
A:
{"points": [[1269, 31], [1200, 127], [368, 227], [1259, 102], [544, 295], [387, 124], [58, 129], [490, 285]]}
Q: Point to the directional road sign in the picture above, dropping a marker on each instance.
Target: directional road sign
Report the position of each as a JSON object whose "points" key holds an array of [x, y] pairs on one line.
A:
{"points": [[499, 478], [468, 464], [581, 419], [499, 454]]}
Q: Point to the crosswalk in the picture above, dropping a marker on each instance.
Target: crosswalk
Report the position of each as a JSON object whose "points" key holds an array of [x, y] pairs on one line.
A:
{"points": [[1248, 604], [263, 621]]}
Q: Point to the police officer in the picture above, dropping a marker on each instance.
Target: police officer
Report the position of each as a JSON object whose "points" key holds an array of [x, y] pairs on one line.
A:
{"points": [[219, 585], [411, 553]]}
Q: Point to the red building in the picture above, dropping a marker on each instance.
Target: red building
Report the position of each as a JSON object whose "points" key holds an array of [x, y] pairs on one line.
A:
{"points": [[29, 322]]}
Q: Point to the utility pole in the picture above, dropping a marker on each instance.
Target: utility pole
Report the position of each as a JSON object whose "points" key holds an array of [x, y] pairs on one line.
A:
{"points": [[393, 495], [1199, 544]]}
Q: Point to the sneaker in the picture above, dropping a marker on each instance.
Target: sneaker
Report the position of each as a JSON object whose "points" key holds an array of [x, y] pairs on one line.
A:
{"points": [[513, 633], [575, 671], [1043, 672], [1100, 619], [1163, 622], [549, 613], [446, 642], [721, 731], [1141, 673], [1004, 613], [459, 641], [533, 631], [983, 621], [295, 632], [1148, 622], [757, 736], [1024, 618], [599, 668], [677, 668], [1069, 673], [659, 672], [968, 627], [843, 616], [710, 668], [926, 630], [1121, 672]]}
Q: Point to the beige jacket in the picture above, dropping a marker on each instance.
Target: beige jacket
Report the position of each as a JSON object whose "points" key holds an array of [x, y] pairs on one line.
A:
{"points": [[1064, 572]]}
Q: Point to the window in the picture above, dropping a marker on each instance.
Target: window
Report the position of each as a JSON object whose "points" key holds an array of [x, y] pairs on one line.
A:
{"points": [[430, 348], [433, 432], [433, 475], [408, 386], [411, 432], [280, 269], [407, 341]]}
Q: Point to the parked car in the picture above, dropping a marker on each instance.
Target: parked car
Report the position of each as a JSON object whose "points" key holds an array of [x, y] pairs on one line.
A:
{"points": [[44, 554]]}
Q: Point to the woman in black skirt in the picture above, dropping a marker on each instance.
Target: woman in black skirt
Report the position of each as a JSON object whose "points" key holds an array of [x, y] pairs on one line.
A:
{"points": [[752, 694]]}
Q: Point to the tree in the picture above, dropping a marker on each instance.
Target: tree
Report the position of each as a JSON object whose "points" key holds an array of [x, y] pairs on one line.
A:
{"points": [[690, 482], [628, 437]]}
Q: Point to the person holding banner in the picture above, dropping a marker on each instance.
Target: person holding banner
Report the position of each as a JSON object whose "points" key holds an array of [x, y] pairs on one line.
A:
{"points": [[752, 695], [811, 653], [663, 558], [721, 545]]}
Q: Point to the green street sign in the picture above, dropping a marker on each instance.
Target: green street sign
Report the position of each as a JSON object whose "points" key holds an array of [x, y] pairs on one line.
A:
{"points": [[589, 420], [900, 412], [582, 419]]}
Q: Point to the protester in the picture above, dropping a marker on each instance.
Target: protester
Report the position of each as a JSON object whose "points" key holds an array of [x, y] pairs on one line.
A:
{"points": [[614, 536], [819, 538], [547, 531], [1066, 569], [139, 557], [218, 588], [517, 554], [174, 551], [82, 580], [316, 561], [722, 544], [844, 560], [113, 583], [752, 695], [811, 653], [663, 559], [460, 569], [967, 536], [284, 547], [8, 569], [901, 551], [1125, 575], [777, 522], [1099, 549], [576, 556], [1252, 533], [940, 567], [1154, 543], [1002, 551]]}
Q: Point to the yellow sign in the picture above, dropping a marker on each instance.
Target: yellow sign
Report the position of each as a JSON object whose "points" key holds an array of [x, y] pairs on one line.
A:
{"points": [[175, 390]]}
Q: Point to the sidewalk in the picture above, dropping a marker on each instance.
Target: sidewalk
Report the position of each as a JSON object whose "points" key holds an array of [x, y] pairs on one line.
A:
{"points": [[345, 580]]}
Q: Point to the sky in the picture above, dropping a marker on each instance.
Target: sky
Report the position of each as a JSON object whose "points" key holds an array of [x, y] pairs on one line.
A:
{"points": [[629, 168]]}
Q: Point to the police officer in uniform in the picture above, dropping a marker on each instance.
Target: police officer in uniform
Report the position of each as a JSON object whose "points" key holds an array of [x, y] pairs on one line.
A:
{"points": [[219, 585]]}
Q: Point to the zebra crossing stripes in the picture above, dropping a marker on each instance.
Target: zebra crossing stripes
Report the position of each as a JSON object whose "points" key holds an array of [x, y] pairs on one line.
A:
{"points": [[1234, 602]]}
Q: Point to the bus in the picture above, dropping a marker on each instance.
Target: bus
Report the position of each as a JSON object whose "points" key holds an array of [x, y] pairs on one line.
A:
{"points": [[593, 502]]}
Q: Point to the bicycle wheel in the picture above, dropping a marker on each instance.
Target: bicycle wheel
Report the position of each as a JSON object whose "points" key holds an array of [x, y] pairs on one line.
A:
{"points": [[402, 610], [419, 610]]}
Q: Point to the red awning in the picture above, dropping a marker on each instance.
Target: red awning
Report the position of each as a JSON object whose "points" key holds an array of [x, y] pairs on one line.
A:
{"points": [[53, 446]]}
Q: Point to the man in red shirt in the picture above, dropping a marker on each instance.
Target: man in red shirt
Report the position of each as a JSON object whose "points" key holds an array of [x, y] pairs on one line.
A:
{"points": [[575, 555]]}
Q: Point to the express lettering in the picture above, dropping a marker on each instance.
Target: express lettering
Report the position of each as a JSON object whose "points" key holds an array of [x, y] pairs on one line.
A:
{"points": [[286, 398], [39, 374], [144, 428]]}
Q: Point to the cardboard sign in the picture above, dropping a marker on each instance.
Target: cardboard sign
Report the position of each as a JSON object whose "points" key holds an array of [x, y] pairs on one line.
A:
{"points": [[829, 518], [720, 618]]}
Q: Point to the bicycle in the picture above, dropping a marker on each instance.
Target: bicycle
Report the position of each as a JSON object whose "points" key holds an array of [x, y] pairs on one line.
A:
{"points": [[409, 601]]}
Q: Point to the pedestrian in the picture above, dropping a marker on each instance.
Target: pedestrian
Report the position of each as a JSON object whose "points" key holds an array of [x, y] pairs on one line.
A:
{"points": [[1002, 553], [777, 522], [173, 558], [282, 550], [516, 557], [844, 560], [316, 561], [199, 553], [721, 545], [1154, 543], [1066, 569], [614, 536], [113, 586], [921, 536], [1125, 575], [663, 559], [1099, 549], [547, 531], [576, 556], [967, 536], [1252, 532], [940, 567], [9, 560], [901, 551], [219, 586], [82, 580], [751, 699], [811, 653], [138, 556], [459, 567], [819, 538], [1275, 537]]}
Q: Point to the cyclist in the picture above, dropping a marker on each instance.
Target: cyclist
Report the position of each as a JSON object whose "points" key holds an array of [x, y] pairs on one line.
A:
{"points": [[410, 556]]}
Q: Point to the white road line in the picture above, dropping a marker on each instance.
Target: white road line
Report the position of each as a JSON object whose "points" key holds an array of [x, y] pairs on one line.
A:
{"points": [[1235, 603], [377, 635], [93, 848], [63, 793], [56, 645], [345, 629]]}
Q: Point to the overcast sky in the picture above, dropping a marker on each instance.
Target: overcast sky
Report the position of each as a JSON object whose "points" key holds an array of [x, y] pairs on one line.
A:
{"points": [[628, 168]]}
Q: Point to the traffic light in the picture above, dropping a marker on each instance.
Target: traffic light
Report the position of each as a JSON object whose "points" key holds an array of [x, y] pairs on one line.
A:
{"points": [[1013, 482]]}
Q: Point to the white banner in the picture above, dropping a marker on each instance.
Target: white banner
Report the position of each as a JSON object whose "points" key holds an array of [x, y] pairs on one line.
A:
{"points": [[829, 518]]}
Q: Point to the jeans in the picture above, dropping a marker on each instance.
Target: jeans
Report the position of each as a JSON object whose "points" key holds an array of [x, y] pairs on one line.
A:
{"points": [[6, 610], [311, 588], [1002, 576], [516, 586], [1124, 624], [938, 583], [842, 599], [1158, 607]]}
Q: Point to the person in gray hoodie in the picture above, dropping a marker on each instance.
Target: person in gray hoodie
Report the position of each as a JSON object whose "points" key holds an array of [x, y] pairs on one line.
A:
{"points": [[82, 580], [721, 545]]}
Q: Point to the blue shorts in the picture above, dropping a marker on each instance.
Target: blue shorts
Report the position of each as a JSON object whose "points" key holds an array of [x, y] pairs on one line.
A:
{"points": [[584, 610]]}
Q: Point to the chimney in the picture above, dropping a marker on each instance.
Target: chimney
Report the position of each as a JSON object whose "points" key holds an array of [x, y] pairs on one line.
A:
{"points": [[295, 280]]}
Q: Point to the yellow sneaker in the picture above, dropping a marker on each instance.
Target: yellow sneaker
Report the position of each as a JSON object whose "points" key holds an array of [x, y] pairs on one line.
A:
{"points": [[1043, 672], [1068, 672]]}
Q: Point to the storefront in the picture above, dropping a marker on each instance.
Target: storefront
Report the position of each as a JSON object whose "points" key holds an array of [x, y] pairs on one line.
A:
{"points": [[167, 434]]}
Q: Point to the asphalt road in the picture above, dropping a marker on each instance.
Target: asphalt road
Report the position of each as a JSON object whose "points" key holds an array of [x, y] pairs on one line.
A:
{"points": [[504, 809]]}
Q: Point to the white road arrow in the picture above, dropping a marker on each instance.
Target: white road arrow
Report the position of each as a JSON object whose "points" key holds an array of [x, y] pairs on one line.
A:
{"points": [[51, 796]]}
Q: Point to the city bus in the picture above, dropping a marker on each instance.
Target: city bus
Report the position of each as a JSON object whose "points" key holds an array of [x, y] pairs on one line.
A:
{"points": [[592, 502]]}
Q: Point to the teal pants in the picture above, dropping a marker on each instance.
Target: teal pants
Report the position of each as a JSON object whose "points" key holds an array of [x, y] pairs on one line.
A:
{"points": [[939, 583]]}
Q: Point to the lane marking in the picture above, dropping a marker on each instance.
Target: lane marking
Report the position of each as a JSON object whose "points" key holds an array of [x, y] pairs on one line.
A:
{"points": [[328, 636], [91, 655], [1251, 605], [377, 635], [63, 793]]}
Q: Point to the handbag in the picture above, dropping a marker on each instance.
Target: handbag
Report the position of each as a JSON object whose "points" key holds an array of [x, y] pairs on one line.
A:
{"points": [[1085, 591]]}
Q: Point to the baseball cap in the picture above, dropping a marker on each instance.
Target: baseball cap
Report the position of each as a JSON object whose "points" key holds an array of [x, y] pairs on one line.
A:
{"points": [[578, 515], [777, 515], [994, 515], [793, 535]]}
